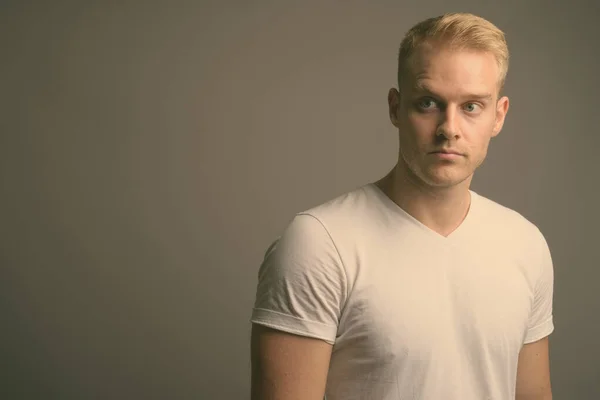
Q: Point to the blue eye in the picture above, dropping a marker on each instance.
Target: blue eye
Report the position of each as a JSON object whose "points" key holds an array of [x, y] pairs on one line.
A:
{"points": [[426, 104], [471, 107]]}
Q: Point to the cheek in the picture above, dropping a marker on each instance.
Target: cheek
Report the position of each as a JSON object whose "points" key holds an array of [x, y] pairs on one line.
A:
{"points": [[421, 127], [478, 147], [478, 133]]}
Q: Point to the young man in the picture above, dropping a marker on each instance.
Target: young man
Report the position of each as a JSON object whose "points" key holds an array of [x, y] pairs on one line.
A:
{"points": [[414, 287]]}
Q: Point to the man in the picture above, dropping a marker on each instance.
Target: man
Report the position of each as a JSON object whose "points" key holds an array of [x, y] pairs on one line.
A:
{"points": [[414, 287]]}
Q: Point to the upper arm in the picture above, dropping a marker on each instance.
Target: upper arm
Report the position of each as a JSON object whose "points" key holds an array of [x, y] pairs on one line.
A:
{"points": [[300, 293], [541, 322], [287, 366], [533, 372]]}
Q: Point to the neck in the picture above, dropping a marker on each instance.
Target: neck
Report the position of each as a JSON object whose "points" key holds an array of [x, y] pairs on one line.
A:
{"points": [[441, 209]]}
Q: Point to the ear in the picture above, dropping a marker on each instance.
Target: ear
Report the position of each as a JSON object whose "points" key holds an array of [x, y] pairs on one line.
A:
{"points": [[393, 104], [501, 111]]}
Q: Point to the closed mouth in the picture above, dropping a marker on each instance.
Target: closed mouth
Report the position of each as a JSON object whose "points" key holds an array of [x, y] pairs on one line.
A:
{"points": [[447, 152]]}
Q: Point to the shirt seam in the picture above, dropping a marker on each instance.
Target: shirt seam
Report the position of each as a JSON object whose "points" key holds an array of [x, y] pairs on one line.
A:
{"points": [[346, 289]]}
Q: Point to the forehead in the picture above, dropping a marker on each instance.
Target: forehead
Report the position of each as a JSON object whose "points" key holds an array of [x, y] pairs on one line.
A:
{"points": [[448, 70]]}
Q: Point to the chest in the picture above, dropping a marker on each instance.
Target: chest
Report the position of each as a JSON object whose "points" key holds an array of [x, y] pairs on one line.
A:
{"points": [[439, 304]]}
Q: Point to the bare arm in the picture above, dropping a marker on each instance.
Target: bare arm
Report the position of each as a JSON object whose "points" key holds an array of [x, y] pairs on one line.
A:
{"points": [[533, 372], [286, 366]]}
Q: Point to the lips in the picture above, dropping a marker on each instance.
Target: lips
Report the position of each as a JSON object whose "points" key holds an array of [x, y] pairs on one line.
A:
{"points": [[448, 152]]}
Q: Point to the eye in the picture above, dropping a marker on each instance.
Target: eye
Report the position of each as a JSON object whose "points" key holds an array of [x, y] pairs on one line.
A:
{"points": [[426, 104], [472, 107]]}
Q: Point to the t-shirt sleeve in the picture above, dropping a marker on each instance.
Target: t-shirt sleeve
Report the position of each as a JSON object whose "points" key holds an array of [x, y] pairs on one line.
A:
{"points": [[541, 322], [301, 282]]}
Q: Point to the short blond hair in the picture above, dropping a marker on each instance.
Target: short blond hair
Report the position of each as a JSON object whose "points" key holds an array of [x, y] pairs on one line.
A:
{"points": [[456, 31]]}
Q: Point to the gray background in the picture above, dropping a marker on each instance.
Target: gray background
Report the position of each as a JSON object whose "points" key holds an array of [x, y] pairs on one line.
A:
{"points": [[151, 151]]}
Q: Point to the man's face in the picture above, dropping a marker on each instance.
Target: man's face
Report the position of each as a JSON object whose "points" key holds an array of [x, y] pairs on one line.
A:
{"points": [[448, 103]]}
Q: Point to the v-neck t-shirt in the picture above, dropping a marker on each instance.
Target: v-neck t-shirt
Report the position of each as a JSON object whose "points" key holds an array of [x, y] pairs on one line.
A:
{"points": [[411, 314]]}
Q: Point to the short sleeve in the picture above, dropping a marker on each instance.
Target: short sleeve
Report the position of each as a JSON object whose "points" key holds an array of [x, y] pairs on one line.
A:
{"points": [[301, 282], [541, 322]]}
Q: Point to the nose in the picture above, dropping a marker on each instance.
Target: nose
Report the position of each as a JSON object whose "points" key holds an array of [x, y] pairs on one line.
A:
{"points": [[448, 124]]}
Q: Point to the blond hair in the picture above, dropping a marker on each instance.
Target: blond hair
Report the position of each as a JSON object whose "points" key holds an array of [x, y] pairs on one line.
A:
{"points": [[456, 31]]}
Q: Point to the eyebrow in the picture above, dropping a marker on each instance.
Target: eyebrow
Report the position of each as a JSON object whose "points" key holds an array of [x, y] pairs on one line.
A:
{"points": [[421, 87]]}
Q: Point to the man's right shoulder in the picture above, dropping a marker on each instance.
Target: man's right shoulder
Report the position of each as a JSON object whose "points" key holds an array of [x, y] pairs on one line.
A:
{"points": [[329, 221], [341, 209]]}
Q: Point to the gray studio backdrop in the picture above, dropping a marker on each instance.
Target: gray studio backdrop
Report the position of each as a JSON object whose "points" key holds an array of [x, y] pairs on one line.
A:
{"points": [[151, 151]]}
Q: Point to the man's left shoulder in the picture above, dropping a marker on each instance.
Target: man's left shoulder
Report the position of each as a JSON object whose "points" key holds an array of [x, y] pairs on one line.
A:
{"points": [[507, 221]]}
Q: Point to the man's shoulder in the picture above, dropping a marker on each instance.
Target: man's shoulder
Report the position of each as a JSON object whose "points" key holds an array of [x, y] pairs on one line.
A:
{"points": [[343, 207], [502, 218], [331, 221]]}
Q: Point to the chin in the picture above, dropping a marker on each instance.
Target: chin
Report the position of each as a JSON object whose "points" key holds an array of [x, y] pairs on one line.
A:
{"points": [[438, 175], [446, 180], [442, 184]]}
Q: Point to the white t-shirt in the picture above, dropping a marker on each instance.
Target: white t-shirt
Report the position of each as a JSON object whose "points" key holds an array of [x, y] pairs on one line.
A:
{"points": [[411, 314]]}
